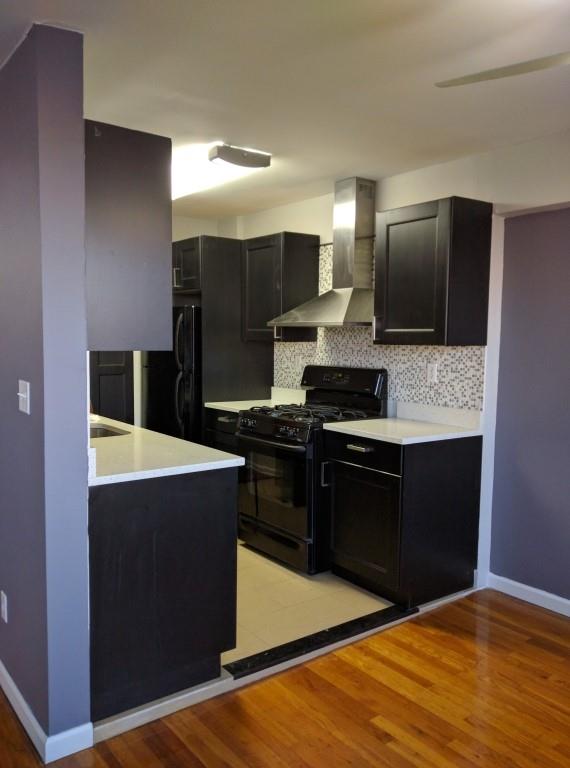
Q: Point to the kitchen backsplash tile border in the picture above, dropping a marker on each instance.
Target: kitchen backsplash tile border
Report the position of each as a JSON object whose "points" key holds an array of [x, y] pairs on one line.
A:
{"points": [[461, 370]]}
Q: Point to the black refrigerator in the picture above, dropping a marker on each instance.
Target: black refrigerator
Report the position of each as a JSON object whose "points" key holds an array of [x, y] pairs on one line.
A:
{"points": [[172, 381]]}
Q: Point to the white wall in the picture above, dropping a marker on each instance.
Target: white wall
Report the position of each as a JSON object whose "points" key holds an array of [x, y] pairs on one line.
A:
{"points": [[516, 178], [312, 216], [184, 226]]}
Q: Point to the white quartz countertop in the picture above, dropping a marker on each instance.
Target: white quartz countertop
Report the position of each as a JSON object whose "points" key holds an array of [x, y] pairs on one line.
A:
{"points": [[401, 431], [142, 454], [279, 396], [235, 406]]}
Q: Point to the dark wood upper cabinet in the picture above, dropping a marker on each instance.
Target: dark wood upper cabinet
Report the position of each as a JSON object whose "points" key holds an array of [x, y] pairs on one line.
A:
{"points": [[432, 273], [187, 266], [128, 236], [279, 272]]}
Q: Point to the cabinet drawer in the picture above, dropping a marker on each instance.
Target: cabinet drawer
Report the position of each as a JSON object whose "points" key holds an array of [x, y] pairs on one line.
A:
{"points": [[372, 454]]}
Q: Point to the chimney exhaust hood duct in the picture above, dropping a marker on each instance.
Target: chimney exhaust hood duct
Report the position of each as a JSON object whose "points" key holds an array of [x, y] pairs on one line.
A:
{"points": [[351, 300]]}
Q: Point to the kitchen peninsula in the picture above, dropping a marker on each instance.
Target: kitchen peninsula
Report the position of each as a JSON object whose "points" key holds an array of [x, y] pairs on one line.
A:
{"points": [[162, 538]]}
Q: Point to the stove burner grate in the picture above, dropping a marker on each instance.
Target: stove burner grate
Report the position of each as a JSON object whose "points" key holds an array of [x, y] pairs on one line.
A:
{"points": [[311, 413]]}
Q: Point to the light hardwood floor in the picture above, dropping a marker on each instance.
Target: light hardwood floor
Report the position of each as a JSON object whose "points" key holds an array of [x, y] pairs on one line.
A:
{"points": [[480, 682]]}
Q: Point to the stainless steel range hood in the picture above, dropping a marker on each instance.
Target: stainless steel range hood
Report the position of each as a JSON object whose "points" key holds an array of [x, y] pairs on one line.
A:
{"points": [[351, 300]]}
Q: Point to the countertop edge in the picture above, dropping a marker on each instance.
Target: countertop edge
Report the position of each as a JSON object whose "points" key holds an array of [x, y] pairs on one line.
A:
{"points": [[407, 440], [222, 407], [166, 472]]}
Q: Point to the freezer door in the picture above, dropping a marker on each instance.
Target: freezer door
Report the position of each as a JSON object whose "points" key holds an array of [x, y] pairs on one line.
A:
{"points": [[172, 397], [192, 366], [159, 407]]}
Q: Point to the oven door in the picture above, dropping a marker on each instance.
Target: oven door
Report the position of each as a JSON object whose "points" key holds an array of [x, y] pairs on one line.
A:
{"points": [[276, 489]]}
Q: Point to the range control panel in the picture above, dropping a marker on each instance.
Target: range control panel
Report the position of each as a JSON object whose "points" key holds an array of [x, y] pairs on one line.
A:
{"points": [[268, 426], [365, 381], [336, 377]]}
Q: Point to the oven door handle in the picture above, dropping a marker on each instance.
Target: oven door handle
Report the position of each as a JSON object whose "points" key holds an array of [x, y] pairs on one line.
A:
{"points": [[261, 441]]}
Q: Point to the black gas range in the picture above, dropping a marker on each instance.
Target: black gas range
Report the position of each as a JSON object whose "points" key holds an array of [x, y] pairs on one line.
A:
{"points": [[283, 494]]}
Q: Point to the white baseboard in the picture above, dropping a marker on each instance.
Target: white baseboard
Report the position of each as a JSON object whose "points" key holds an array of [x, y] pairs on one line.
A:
{"points": [[154, 710], [441, 601], [68, 742], [49, 748], [530, 594]]}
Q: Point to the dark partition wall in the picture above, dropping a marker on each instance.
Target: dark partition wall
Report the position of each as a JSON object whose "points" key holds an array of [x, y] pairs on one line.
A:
{"points": [[531, 498]]}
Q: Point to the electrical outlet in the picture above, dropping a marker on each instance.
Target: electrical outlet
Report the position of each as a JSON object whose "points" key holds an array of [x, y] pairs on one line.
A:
{"points": [[4, 606], [431, 373]]}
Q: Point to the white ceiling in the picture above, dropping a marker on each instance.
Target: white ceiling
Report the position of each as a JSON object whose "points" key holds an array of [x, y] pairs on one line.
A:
{"points": [[331, 87]]}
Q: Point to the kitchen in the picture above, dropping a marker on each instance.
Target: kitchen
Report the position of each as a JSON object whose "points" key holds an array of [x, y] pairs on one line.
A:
{"points": [[295, 493], [466, 378]]}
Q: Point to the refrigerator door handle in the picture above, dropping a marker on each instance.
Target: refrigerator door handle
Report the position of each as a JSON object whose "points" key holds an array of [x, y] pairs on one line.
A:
{"points": [[177, 341], [177, 401]]}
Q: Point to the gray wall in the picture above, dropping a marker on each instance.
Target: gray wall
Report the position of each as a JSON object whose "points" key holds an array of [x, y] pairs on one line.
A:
{"points": [[43, 462], [531, 499]]}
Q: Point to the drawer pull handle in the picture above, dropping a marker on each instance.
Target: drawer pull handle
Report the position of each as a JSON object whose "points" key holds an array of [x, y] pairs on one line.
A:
{"points": [[360, 448]]}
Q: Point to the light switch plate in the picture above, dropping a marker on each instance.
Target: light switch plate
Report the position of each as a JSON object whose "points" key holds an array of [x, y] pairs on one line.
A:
{"points": [[24, 396], [432, 373]]}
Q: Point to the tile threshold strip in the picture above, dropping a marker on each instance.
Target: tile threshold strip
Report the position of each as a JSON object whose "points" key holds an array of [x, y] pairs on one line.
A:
{"points": [[303, 645]]}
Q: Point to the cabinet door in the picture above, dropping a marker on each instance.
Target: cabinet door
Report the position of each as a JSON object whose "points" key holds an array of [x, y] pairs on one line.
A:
{"points": [[366, 525], [261, 286], [187, 266], [176, 277], [300, 273], [128, 239], [412, 255], [162, 585], [111, 385]]}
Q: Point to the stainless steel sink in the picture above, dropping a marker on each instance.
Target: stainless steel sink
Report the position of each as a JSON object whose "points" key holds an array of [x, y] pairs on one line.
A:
{"points": [[100, 430]]}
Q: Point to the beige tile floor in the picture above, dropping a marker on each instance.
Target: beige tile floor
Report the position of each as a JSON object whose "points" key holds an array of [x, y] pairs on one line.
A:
{"points": [[276, 605]]}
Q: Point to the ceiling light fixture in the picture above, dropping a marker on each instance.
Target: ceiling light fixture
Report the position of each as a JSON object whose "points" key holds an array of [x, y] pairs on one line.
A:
{"points": [[242, 156], [192, 170]]}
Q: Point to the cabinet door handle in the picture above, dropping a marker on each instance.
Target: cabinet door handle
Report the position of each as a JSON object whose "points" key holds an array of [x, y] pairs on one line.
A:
{"points": [[177, 413], [377, 323], [324, 466], [277, 335], [359, 448], [175, 277], [179, 321]]}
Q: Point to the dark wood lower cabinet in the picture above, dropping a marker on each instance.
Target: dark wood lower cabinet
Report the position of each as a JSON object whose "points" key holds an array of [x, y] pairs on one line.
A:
{"points": [[162, 585], [366, 524], [405, 518]]}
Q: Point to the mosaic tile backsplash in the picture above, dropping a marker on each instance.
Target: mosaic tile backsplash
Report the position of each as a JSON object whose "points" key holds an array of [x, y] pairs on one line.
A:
{"points": [[461, 370]]}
